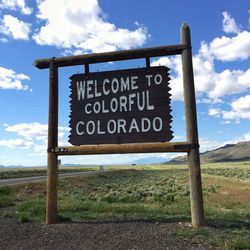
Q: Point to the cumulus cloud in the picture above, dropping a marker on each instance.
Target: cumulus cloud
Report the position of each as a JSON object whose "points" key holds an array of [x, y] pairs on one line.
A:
{"points": [[230, 82], [228, 24], [228, 49], [34, 131], [246, 137], [16, 143], [211, 86], [216, 112], [9, 79], [231, 48], [13, 27], [240, 109], [207, 145], [16, 5], [32, 136], [80, 26], [209, 83]]}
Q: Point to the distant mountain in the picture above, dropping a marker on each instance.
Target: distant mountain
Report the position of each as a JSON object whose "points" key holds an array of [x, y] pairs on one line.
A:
{"points": [[70, 165], [12, 166], [149, 160], [78, 165], [227, 153]]}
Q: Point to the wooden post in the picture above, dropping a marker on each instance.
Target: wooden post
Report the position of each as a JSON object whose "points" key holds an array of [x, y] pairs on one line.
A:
{"points": [[52, 172], [196, 199]]}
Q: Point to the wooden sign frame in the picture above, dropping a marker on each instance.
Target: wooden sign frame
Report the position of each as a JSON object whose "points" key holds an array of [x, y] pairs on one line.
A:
{"points": [[190, 146]]}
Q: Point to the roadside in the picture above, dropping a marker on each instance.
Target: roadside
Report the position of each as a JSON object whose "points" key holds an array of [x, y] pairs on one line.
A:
{"points": [[17, 181], [11, 173]]}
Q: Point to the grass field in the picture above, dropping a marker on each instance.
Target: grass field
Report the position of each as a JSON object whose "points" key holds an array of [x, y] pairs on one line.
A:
{"points": [[157, 192]]}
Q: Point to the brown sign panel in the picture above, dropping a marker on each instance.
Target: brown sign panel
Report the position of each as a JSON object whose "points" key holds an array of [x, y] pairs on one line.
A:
{"points": [[123, 106]]}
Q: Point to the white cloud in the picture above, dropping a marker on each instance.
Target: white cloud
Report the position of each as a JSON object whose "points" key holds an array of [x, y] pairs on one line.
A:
{"points": [[214, 85], [231, 48], [244, 137], [240, 109], [16, 5], [9, 79], [242, 104], [228, 49], [16, 143], [230, 82], [39, 150], [229, 24], [3, 40], [13, 27], [249, 18], [207, 145], [80, 26], [33, 136], [214, 112], [211, 86], [34, 131]]}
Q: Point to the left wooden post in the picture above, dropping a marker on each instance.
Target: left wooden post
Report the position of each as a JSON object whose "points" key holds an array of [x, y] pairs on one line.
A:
{"points": [[52, 171]]}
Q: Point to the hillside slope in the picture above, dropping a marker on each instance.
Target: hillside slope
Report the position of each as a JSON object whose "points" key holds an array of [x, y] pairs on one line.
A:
{"points": [[229, 152]]}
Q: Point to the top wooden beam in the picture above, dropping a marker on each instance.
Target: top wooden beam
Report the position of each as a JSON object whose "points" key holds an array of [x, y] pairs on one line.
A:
{"points": [[111, 56]]}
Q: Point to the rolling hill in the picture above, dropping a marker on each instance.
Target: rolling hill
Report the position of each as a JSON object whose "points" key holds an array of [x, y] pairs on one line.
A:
{"points": [[227, 153]]}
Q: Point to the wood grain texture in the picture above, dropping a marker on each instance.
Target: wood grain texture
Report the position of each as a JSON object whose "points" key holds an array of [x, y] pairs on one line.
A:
{"points": [[111, 56], [125, 148], [196, 197], [52, 172]]}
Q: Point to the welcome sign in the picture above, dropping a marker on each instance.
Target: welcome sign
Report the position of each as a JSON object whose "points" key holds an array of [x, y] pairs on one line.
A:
{"points": [[123, 106]]}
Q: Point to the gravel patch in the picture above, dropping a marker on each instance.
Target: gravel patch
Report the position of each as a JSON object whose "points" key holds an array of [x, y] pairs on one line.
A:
{"points": [[111, 235]]}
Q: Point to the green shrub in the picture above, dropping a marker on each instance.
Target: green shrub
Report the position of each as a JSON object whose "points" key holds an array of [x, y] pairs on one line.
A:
{"points": [[33, 210], [209, 190], [110, 197], [6, 199], [239, 244], [5, 190], [169, 198]]}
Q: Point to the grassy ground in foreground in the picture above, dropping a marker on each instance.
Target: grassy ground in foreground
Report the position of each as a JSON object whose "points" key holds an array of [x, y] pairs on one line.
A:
{"points": [[149, 192]]}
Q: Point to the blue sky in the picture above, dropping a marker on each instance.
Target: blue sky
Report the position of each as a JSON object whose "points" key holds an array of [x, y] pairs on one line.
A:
{"points": [[39, 29]]}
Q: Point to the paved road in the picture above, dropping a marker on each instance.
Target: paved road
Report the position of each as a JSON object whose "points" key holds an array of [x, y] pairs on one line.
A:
{"points": [[16, 181]]}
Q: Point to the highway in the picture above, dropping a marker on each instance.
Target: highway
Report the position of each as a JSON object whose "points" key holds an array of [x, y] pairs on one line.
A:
{"points": [[17, 181]]}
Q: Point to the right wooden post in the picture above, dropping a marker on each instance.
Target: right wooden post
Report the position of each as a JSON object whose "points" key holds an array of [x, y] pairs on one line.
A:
{"points": [[196, 198]]}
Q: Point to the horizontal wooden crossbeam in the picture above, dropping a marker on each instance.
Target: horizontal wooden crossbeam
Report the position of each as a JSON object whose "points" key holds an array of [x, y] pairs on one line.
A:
{"points": [[111, 56], [158, 147]]}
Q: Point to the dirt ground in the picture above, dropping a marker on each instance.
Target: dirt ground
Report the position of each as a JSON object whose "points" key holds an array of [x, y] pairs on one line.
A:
{"points": [[90, 235]]}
